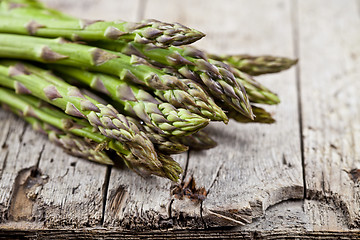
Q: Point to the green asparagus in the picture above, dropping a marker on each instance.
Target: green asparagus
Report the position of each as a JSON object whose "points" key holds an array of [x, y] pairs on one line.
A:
{"points": [[184, 93], [163, 117], [257, 92], [76, 146], [217, 80], [146, 31], [31, 9], [261, 116], [105, 118], [167, 145], [33, 107], [200, 140], [256, 65]]}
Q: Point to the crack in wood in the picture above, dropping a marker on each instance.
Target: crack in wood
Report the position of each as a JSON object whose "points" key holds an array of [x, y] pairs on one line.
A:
{"points": [[169, 208], [216, 176], [184, 175], [296, 46], [4, 164], [21, 138], [66, 173], [105, 190], [40, 155], [186, 166], [23, 132], [202, 216], [4, 145], [223, 215]]}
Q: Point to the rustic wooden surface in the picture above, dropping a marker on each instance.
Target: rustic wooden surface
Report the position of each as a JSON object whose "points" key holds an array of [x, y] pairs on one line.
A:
{"points": [[286, 179]]}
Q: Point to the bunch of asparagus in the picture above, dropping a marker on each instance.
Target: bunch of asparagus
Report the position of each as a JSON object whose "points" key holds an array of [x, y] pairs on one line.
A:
{"points": [[153, 94]]}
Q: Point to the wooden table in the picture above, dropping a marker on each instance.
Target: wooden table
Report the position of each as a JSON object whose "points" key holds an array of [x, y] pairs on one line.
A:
{"points": [[289, 179]]}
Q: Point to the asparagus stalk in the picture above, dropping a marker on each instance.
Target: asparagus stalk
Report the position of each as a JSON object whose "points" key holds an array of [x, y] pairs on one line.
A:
{"points": [[261, 116], [76, 146], [256, 91], [35, 108], [30, 9], [200, 140], [146, 31], [256, 65], [32, 107], [217, 80], [170, 168], [163, 117], [181, 93], [162, 144], [105, 118]]}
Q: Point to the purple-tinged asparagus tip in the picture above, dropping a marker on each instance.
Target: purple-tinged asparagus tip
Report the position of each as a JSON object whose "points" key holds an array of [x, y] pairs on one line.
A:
{"points": [[51, 92], [73, 111]]}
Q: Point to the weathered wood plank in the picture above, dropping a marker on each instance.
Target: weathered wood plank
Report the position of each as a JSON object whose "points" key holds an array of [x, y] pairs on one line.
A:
{"points": [[177, 234], [263, 164], [41, 183], [329, 61], [18, 151], [242, 183], [133, 201], [73, 192], [300, 215], [59, 190], [139, 203], [254, 166], [98, 9]]}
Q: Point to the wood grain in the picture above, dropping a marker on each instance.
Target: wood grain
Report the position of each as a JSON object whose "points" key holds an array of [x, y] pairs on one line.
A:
{"points": [[98, 9], [330, 56], [41, 183], [254, 166], [175, 234], [254, 175], [18, 151], [135, 202]]}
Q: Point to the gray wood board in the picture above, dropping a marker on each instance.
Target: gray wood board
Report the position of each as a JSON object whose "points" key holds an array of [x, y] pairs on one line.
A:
{"points": [[256, 171], [329, 53], [254, 166], [42, 184]]}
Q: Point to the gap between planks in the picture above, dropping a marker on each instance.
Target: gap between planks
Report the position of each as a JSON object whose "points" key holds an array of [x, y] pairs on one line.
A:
{"points": [[105, 192], [296, 46]]}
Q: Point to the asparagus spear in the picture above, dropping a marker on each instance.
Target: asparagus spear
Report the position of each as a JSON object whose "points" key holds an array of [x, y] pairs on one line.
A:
{"points": [[161, 116], [182, 93], [261, 116], [76, 146], [105, 118], [257, 92], [146, 31], [200, 140], [256, 65], [34, 107], [217, 80], [30, 8], [162, 144]]}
